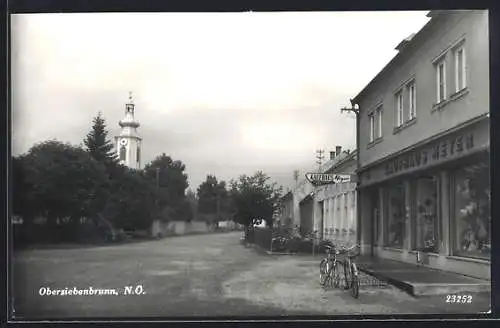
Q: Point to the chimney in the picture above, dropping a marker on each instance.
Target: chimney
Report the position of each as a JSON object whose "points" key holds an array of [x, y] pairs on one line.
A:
{"points": [[332, 155], [338, 149]]}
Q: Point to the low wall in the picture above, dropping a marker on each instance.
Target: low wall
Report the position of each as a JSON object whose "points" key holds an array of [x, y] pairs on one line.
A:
{"points": [[160, 229]]}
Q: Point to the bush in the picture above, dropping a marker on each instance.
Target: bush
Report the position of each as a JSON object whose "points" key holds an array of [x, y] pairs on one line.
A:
{"points": [[293, 245], [305, 246]]}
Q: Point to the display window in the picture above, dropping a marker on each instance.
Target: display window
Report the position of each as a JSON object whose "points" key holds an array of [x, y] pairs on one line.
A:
{"points": [[471, 208], [426, 215], [396, 213]]}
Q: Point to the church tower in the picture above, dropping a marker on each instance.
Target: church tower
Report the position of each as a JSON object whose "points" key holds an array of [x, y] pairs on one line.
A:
{"points": [[128, 143]]}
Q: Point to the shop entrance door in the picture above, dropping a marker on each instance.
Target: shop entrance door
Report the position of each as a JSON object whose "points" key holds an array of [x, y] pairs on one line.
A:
{"points": [[425, 215]]}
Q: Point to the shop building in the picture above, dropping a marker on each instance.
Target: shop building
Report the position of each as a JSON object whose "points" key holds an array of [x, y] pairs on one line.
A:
{"points": [[424, 175], [328, 210], [335, 217]]}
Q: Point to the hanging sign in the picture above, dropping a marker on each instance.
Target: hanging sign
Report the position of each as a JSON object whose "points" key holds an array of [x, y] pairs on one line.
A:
{"points": [[324, 178]]}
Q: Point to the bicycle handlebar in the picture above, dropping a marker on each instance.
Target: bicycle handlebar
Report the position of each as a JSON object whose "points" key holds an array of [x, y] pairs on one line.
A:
{"points": [[341, 249]]}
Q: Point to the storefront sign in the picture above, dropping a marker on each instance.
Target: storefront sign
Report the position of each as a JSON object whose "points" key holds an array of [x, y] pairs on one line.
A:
{"points": [[453, 146], [321, 178], [439, 151]]}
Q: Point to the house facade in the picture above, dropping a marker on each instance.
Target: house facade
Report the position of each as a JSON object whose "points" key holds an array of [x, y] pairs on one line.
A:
{"points": [[424, 148], [286, 211], [328, 210], [335, 217]]}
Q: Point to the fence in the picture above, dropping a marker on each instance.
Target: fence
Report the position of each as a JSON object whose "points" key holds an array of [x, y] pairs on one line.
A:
{"points": [[311, 243], [269, 239], [261, 237]]}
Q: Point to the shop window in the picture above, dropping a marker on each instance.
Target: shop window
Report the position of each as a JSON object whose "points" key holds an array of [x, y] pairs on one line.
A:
{"points": [[346, 211], [472, 235], [396, 216], [332, 211], [426, 215]]}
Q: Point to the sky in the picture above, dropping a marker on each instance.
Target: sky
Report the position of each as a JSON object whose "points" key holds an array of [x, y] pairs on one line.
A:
{"points": [[225, 93]]}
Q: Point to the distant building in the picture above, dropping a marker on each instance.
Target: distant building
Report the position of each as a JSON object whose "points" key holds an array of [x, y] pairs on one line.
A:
{"points": [[335, 218], [128, 142], [285, 217], [322, 209], [424, 148]]}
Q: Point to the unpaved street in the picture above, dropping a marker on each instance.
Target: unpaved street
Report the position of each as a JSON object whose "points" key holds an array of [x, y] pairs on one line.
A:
{"points": [[202, 275]]}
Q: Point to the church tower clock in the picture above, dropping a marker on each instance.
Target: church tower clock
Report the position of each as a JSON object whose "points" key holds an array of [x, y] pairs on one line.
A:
{"points": [[128, 142]]}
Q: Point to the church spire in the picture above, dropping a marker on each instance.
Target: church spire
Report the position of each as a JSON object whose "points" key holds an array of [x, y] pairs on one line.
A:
{"points": [[129, 119], [128, 142], [129, 107]]}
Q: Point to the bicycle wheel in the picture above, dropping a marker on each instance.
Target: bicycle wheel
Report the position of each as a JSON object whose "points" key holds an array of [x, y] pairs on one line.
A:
{"points": [[336, 274], [327, 280], [323, 268], [347, 274], [355, 281]]}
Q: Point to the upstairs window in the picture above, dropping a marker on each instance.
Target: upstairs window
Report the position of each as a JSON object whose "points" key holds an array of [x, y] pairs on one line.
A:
{"points": [[378, 113], [441, 81], [459, 68], [399, 108], [412, 101], [371, 117]]}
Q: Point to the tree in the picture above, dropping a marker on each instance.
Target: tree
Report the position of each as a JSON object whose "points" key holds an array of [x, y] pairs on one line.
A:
{"points": [[185, 211], [20, 188], [171, 182], [134, 201], [97, 143], [254, 198], [60, 180], [213, 197], [193, 203]]}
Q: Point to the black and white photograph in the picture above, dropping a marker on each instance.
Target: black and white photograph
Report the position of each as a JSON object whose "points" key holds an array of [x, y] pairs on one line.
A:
{"points": [[249, 164]]}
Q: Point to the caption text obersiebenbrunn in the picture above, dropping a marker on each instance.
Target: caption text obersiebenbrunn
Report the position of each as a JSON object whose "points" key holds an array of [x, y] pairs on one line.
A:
{"points": [[128, 290]]}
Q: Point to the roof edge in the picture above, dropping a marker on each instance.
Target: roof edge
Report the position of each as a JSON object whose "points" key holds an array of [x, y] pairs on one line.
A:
{"points": [[432, 14]]}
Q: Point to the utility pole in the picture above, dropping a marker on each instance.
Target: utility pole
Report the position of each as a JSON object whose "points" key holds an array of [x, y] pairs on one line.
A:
{"points": [[296, 177], [320, 156], [355, 109]]}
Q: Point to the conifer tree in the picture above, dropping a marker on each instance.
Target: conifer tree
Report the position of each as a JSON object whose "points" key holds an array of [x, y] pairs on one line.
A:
{"points": [[97, 142]]}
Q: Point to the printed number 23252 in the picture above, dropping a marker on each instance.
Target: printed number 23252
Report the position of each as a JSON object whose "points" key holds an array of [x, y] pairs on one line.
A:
{"points": [[458, 298]]}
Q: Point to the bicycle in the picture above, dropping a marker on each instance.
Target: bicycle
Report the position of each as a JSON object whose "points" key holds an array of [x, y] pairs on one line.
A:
{"points": [[351, 271], [329, 268]]}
